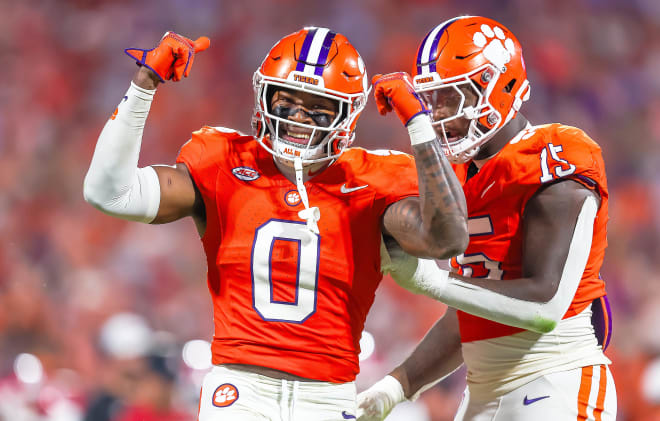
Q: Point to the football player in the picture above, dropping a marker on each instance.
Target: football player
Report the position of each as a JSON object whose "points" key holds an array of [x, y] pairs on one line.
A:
{"points": [[291, 218], [532, 317]]}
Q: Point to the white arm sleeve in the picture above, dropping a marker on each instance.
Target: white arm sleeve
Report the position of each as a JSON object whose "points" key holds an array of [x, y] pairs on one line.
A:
{"points": [[114, 184], [430, 280]]}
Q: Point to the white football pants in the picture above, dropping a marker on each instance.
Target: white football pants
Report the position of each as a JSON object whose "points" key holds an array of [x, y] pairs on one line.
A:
{"points": [[231, 394], [581, 394]]}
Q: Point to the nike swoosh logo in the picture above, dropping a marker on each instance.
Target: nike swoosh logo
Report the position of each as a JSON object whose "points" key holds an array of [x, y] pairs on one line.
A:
{"points": [[347, 416], [531, 401], [486, 189], [346, 190]]}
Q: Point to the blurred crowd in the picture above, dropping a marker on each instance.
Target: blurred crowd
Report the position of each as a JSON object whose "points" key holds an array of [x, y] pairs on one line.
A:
{"points": [[102, 319]]}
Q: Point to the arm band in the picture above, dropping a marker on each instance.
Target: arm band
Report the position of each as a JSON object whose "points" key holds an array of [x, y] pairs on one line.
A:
{"points": [[421, 130], [430, 280], [114, 184]]}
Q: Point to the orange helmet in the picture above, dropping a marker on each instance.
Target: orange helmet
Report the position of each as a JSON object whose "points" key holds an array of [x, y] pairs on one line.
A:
{"points": [[321, 62], [473, 67]]}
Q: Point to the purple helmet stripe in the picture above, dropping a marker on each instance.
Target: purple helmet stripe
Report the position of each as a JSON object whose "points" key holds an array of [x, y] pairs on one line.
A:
{"points": [[323, 55], [419, 52], [433, 54], [302, 58]]}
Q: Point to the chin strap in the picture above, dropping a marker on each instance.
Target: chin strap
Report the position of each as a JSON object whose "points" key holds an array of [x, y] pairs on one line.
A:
{"points": [[311, 215]]}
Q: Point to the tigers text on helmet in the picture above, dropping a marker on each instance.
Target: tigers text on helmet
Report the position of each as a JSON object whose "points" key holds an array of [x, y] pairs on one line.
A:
{"points": [[472, 72], [320, 62]]}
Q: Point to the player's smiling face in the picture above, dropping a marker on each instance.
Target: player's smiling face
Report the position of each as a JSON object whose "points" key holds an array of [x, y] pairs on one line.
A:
{"points": [[306, 108]]}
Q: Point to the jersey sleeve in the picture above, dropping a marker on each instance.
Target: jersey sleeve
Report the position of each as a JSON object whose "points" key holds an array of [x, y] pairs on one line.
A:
{"points": [[582, 153], [555, 153], [396, 177], [202, 155]]}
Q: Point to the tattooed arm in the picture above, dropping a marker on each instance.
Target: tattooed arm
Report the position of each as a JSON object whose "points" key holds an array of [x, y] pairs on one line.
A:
{"points": [[433, 225]]}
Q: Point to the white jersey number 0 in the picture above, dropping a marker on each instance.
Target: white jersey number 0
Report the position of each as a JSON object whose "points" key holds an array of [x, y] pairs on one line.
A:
{"points": [[304, 304]]}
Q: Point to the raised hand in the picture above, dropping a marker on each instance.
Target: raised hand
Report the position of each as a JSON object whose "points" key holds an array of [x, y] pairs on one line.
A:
{"points": [[172, 58], [394, 91]]}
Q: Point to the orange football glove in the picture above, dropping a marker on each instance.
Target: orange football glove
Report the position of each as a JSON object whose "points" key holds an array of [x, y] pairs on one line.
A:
{"points": [[394, 91], [173, 56]]}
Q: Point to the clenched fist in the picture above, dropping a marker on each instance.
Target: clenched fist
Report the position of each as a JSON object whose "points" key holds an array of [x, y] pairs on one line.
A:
{"points": [[172, 58]]}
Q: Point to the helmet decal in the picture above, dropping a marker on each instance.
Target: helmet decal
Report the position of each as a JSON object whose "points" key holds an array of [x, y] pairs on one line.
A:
{"points": [[428, 51], [497, 53]]}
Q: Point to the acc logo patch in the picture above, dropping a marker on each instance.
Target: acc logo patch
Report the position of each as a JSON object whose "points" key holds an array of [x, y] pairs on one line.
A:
{"points": [[292, 198], [225, 395], [245, 173]]}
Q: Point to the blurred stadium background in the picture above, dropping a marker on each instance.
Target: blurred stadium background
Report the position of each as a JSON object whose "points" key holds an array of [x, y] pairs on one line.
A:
{"points": [[97, 314]]}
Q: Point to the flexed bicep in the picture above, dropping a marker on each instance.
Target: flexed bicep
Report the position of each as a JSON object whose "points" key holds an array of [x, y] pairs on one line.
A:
{"points": [[179, 197], [432, 225], [403, 222], [435, 224]]}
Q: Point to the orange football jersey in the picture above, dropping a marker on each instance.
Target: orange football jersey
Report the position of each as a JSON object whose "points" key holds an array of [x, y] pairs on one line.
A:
{"points": [[284, 297], [496, 197]]}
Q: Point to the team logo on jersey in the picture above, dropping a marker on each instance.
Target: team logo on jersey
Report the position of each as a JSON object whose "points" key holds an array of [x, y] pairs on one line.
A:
{"points": [[225, 395], [292, 198], [245, 173]]}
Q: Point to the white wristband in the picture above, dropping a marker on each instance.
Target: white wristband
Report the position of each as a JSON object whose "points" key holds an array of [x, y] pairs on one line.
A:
{"points": [[421, 130], [392, 388], [377, 402]]}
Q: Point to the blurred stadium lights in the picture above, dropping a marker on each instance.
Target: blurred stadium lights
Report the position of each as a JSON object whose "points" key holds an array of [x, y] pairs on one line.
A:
{"points": [[651, 382], [28, 369], [197, 354], [126, 335]]}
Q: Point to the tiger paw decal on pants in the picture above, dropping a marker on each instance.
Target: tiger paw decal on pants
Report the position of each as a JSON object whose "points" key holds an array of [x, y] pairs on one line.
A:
{"points": [[225, 395]]}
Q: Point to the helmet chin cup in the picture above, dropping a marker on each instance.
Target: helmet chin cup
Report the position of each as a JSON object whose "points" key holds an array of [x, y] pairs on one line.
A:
{"points": [[466, 156], [290, 151]]}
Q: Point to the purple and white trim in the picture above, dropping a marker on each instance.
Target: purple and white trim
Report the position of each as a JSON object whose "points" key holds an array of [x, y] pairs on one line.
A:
{"points": [[314, 51], [428, 50]]}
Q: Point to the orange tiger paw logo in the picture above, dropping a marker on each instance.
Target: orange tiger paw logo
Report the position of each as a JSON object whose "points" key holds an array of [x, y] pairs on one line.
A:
{"points": [[225, 395]]}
